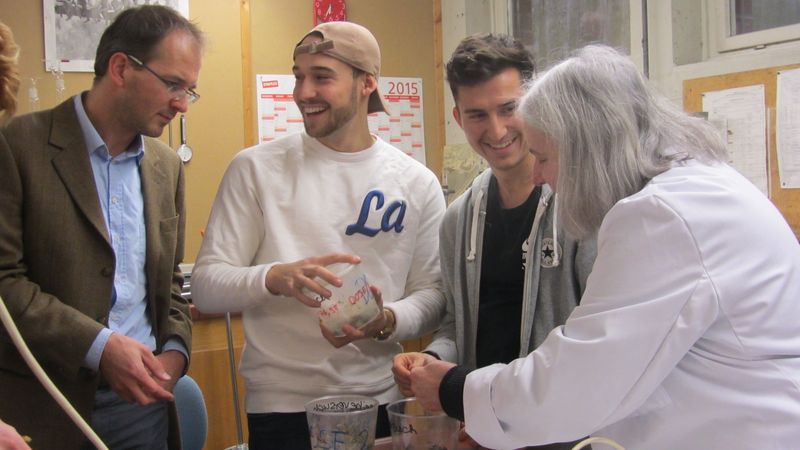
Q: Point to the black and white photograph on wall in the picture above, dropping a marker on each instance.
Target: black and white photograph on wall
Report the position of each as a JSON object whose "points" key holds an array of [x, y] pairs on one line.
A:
{"points": [[72, 29]]}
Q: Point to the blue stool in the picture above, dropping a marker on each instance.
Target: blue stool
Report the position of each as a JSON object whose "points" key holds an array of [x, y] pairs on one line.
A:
{"points": [[192, 415]]}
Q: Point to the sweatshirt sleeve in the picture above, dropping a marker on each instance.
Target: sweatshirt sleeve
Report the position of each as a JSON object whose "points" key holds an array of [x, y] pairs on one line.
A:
{"points": [[223, 278], [647, 302], [422, 306]]}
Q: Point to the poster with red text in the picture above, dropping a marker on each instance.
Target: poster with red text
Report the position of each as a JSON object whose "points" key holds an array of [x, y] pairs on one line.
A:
{"points": [[403, 127], [278, 115]]}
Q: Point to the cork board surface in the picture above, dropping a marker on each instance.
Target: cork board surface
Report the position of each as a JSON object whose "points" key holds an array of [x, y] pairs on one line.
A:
{"points": [[787, 200]]}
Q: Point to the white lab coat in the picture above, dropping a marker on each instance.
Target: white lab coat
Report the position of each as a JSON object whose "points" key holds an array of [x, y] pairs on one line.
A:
{"points": [[687, 337]]}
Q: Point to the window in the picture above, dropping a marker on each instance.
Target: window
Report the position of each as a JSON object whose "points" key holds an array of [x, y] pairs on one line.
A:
{"points": [[748, 16], [739, 24], [552, 29]]}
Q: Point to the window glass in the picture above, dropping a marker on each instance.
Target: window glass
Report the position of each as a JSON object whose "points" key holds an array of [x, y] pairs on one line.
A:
{"points": [[553, 28], [748, 16]]}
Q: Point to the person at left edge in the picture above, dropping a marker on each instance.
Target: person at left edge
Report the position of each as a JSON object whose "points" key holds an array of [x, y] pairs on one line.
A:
{"points": [[9, 85], [9, 73], [287, 208], [91, 236]]}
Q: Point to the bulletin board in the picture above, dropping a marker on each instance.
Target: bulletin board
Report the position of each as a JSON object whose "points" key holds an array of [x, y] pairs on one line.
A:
{"points": [[787, 200]]}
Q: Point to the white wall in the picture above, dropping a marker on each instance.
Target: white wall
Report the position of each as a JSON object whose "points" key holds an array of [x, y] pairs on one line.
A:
{"points": [[462, 18], [454, 28]]}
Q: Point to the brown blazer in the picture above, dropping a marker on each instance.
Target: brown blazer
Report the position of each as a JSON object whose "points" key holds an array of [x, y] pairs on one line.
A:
{"points": [[57, 265]]}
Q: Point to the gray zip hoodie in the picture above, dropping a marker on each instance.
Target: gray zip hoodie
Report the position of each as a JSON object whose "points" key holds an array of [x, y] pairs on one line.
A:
{"points": [[555, 276]]}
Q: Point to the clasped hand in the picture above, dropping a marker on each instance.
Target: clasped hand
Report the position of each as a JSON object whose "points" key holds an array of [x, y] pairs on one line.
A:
{"points": [[419, 375], [135, 374]]}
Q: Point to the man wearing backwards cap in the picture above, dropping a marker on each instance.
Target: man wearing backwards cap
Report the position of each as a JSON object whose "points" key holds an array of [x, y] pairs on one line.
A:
{"points": [[287, 209]]}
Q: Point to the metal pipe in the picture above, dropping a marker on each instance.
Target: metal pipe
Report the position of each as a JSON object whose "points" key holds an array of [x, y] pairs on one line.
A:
{"points": [[234, 383]]}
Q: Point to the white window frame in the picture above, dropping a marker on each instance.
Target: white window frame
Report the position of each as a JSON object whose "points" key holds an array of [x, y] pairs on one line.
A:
{"points": [[719, 24]]}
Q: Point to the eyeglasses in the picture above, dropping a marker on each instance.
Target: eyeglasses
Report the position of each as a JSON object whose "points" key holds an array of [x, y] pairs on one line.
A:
{"points": [[179, 92]]}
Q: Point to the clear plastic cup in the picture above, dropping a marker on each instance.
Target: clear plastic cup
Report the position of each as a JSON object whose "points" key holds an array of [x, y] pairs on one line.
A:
{"points": [[413, 427], [342, 422], [352, 303]]}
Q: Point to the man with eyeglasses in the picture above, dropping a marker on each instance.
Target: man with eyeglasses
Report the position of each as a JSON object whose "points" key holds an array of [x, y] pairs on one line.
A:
{"points": [[91, 235], [176, 88]]}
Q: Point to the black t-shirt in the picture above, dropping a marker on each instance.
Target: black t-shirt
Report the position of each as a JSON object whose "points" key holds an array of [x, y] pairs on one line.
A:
{"points": [[502, 277]]}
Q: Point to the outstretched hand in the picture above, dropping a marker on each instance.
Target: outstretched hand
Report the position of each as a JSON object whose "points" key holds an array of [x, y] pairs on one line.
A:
{"points": [[289, 279]]}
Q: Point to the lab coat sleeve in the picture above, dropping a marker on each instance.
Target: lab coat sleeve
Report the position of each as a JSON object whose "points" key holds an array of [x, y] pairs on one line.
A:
{"points": [[421, 309], [647, 301], [223, 278]]}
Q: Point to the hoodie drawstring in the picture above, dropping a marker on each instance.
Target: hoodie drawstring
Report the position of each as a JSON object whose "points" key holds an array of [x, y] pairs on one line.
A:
{"points": [[556, 256], [473, 234]]}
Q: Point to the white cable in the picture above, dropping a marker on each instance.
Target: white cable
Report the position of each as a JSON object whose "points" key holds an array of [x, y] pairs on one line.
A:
{"points": [[45, 380], [597, 440]]}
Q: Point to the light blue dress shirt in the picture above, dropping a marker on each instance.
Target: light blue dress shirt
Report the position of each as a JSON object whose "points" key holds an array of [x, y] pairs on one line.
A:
{"points": [[119, 188]]}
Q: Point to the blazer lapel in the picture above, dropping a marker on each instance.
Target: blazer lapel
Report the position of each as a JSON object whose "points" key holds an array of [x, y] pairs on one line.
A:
{"points": [[73, 166], [152, 178]]}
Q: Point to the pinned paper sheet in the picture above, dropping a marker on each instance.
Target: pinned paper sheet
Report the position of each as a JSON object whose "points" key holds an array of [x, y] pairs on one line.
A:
{"points": [[787, 130], [742, 114]]}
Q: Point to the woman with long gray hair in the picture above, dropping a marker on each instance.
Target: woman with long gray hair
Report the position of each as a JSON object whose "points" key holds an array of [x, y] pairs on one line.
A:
{"points": [[687, 334]]}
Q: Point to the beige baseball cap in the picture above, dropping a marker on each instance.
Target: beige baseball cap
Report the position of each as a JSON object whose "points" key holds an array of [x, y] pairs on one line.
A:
{"points": [[350, 43]]}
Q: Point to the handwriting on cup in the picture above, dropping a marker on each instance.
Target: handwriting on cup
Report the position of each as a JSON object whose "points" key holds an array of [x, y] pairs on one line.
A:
{"points": [[361, 295], [339, 439], [342, 432], [343, 406], [403, 428]]}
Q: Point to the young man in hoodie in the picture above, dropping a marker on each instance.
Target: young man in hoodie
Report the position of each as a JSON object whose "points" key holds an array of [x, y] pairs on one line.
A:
{"points": [[509, 275]]}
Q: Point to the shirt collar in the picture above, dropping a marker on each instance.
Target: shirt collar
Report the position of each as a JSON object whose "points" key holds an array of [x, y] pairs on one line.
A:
{"points": [[94, 143]]}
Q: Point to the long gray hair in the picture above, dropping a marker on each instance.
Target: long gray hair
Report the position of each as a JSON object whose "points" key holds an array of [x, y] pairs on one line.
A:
{"points": [[612, 133]]}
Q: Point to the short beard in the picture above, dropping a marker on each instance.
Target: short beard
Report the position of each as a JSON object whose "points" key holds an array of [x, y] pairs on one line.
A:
{"points": [[339, 117]]}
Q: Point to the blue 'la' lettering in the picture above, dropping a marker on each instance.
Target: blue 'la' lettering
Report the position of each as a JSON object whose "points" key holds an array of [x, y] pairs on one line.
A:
{"points": [[392, 217], [386, 223]]}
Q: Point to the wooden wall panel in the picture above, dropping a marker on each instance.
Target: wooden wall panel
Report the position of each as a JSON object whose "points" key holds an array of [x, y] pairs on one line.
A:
{"points": [[211, 370]]}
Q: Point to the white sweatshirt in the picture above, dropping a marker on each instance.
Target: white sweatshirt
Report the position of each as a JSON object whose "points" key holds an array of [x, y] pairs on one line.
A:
{"points": [[687, 336], [294, 198]]}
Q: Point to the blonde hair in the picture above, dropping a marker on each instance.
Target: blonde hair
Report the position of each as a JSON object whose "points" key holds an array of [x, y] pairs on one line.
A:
{"points": [[9, 72]]}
